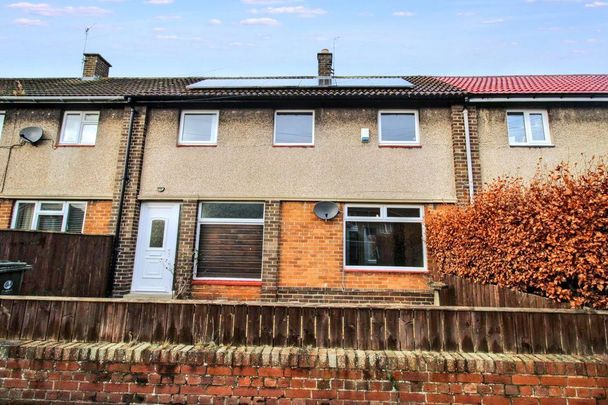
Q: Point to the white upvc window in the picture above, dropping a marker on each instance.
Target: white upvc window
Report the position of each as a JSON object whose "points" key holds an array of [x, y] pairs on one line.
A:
{"points": [[384, 238], [79, 128], [528, 128], [398, 127], [198, 127], [2, 115], [294, 128], [51, 216]]}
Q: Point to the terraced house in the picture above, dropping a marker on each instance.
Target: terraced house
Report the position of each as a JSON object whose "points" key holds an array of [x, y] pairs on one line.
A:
{"points": [[211, 185]]}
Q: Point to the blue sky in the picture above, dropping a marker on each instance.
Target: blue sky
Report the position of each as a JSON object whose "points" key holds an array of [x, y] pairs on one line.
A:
{"points": [[282, 37]]}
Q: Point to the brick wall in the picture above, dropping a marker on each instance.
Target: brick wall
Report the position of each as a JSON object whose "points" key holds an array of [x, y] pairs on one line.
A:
{"points": [[123, 272], [65, 373], [6, 210], [97, 220], [312, 255], [459, 152], [270, 255], [184, 260], [208, 291]]}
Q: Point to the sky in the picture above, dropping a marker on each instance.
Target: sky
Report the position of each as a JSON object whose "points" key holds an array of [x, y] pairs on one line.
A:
{"points": [[281, 37]]}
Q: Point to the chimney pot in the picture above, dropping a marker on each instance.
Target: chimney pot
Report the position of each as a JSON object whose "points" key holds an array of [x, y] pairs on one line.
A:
{"points": [[325, 59], [95, 66]]}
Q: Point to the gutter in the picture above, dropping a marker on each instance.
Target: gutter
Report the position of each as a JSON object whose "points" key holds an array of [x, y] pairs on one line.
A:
{"points": [[61, 99], [467, 142], [590, 99], [121, 199]]}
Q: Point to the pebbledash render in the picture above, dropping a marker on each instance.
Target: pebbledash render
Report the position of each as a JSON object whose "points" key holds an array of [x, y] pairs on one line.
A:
{"points": [[210, 184]]}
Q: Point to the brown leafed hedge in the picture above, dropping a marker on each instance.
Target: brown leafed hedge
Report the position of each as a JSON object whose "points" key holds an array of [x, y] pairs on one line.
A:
{"points": [[548, 236]]}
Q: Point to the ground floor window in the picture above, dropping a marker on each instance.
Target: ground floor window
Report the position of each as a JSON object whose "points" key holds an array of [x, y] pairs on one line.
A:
{"points": [[230, 240], [52, 216], [384, 237]]}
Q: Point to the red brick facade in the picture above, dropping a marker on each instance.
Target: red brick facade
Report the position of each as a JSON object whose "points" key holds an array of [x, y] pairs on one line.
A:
{"points": [[145, 373], [461, 176], [97, 220], [6, 209]]}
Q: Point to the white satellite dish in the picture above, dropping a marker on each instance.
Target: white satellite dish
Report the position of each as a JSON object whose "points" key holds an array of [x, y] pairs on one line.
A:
{"points": [[31, 134], [326, 210]]}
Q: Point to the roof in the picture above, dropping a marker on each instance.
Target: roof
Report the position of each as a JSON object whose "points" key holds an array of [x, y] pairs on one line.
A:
{"points": [[424, 86], [530, 84]]}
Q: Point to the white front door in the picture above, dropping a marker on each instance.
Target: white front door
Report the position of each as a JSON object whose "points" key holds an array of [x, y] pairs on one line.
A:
{"points": [[156, 245]]}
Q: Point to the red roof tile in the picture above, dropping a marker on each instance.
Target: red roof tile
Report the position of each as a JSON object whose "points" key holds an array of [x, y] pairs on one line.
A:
{"points": [[541, 84]]}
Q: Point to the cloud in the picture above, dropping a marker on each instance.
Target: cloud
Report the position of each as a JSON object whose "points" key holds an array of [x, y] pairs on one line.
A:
{"points": [[260, 21], [47, 10], [215, 21], [159, 29], [171, 17], [465, 13], [30, 22], [298, 10], [403, 14], [493, 20], [596, 4], [263, 2], [158, 2], [167, 37]]}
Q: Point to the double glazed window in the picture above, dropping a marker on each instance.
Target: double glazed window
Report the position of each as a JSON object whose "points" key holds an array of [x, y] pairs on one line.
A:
{"points": [[52, 216], [294, 128], [398, 128], [528, 128], [198, 127], [79, 128], [384, 237], [230, 240]]}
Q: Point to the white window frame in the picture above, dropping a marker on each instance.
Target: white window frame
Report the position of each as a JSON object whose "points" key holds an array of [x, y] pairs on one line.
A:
{"points": [[3, 115], [528, 129], [384, 218], [226, 221], [38, 211], [274, 135], [214, 127], [399, 143], [82, 124]]}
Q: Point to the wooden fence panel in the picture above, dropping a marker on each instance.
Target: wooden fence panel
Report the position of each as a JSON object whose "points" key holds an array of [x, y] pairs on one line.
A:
{"points": [[466, 329], [67, 265]]}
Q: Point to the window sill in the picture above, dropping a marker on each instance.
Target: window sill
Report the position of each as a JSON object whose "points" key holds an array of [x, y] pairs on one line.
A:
{"points": [[399, 146], [64, 145], [293, 146], [204, 145], [251, 283], [365, 269], [532, 146]]}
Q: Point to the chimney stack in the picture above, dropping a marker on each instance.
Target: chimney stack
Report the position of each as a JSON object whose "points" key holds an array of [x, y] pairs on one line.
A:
{"points": [[95, 66], [325, 59]]}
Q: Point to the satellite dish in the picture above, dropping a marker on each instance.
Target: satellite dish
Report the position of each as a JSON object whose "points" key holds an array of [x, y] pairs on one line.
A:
{"points": [[326, 210], [31, 134]]}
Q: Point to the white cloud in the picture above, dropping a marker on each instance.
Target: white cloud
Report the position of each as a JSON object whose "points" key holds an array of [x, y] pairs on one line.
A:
{"points": [[465, 13], [596, 4], [168, 17], [159, 29], [263, 2], [158, 2], [30, 22], [215, 21], [50, 11], [299, 10], [260, 21], [493, 20], [403, 14], [167, 37]]}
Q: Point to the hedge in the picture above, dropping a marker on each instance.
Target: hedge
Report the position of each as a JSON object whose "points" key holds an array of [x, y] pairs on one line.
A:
{"points": [[548, 236]]}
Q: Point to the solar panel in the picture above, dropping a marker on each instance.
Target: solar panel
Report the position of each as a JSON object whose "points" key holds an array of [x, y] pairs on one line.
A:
{"points": [[300, 82]]}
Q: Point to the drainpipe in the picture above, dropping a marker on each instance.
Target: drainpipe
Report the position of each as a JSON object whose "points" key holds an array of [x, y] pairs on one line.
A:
{"points": [[121, 198], [467, 142]]}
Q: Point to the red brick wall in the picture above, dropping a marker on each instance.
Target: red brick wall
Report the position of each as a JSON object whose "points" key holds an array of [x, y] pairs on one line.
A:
{"points": [[126, 373], [6, 209], [97, 220], [226, 292], [311, 255]]}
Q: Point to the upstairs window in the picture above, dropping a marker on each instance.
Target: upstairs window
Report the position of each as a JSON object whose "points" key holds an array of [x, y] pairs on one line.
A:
{"points": [[51, 216], [198, 127], [294, 128], [528, 128], [398, 128], [384, 237], [79, 128]]}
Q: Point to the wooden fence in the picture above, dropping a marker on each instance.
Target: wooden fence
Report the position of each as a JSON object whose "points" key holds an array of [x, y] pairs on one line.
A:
{"points": [[376, 328], [463, 292], [63, 264]]}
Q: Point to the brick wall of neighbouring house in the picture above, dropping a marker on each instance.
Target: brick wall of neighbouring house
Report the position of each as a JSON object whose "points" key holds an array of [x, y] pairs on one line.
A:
{"points": [[184, 260], [461, 176], [49, 372], [123, 272], [6, 210], [311, 256], [226, 292], [97, 220]]}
